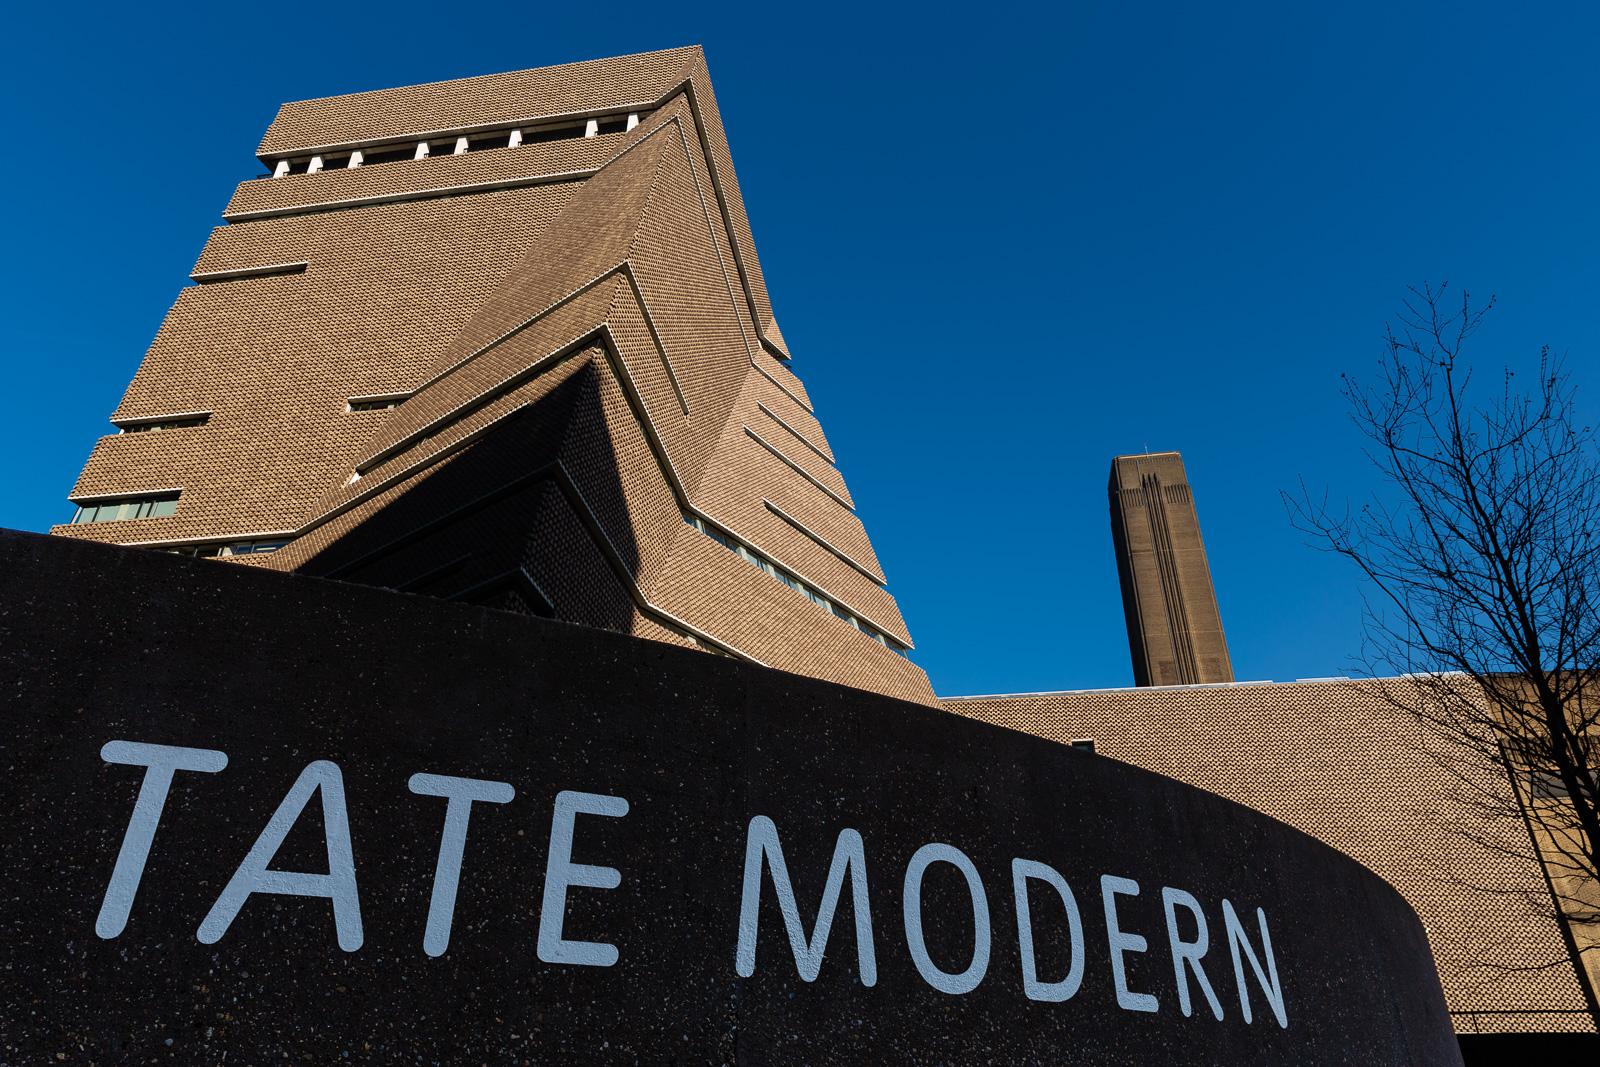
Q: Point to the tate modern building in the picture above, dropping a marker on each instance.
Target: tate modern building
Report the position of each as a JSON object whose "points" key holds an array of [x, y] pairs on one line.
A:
{"points": [[474, 361]]}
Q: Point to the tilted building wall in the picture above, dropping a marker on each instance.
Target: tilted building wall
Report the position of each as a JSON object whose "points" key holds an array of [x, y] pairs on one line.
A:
{"points": [[549, 277]]}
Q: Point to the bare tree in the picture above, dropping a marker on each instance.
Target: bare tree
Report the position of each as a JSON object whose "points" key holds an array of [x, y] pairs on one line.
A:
{"points": [[1483, 547]]}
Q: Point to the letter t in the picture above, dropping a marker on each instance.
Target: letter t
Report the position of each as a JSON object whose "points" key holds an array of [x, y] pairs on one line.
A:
{"points": [[461, 792], [161, 762]]}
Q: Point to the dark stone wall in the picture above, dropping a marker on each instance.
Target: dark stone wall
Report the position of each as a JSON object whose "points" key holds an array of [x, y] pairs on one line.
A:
{"points": [[100, 644]]}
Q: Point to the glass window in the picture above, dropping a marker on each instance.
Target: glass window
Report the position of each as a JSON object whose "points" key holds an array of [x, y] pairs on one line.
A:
{"points": [[156, 506]]}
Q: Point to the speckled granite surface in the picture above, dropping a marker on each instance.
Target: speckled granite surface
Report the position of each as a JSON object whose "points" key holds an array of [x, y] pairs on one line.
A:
{"points": [[101, 644]]}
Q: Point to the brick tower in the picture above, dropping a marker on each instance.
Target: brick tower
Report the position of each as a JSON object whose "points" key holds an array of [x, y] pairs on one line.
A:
{"points": [[505, 339], [1174, 628]]}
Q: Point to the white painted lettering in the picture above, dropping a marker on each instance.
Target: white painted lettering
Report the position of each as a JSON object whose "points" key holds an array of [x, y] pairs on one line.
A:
{"points": [[1268, 978], [965, 981], [161, 762], [1049, 992], [338, 885], [1122, 942], [560, 874], [849, 854], [1188, 952], [461, 792]]}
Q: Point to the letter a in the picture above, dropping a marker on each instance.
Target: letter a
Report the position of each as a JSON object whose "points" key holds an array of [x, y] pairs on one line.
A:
{"points": [[338, 885]]}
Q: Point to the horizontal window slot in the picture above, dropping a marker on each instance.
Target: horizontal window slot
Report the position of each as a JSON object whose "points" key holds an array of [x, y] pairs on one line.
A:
{"points": [[389, 154], [377, 402], [225, 549], [442, 144], [120, 508], [180, 421], [553, 133], [240, 273]]}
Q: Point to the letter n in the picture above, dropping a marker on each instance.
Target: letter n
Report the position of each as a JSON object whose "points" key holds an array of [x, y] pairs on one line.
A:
{"points": [[1267, 977]]}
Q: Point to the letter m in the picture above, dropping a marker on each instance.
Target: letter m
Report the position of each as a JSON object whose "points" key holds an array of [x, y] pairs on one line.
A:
{"points": [[848, 853]]}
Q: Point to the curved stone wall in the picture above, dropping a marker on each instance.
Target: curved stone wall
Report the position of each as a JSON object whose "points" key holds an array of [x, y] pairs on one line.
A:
{"points": [[274, 816]]}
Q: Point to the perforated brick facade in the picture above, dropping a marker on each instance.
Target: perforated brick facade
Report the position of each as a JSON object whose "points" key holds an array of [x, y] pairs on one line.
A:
{"points": [[581, 352], [1344, 762]]}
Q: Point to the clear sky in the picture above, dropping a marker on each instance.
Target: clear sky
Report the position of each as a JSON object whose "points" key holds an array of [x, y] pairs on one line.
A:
{"points": [[1004, 244]]}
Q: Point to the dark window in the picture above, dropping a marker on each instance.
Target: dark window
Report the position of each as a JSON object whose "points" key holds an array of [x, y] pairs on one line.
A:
{"points": [[164, 424], [375, 403], [755, 559], [1083, 744], [372, 156], [614, 125], [482, 141], [1546, 785], [196, 551], [237, 548], [552, 133]]}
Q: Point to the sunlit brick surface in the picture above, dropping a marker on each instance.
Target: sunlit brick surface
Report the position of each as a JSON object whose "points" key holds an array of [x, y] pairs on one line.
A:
{"points": [[1341, 761], [586, 352]]}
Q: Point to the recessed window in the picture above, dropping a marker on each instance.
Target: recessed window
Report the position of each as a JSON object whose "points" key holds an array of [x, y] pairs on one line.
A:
{"points": [[484, 141], [251, 548], [400, 151], [552, 133], [375, 403], [1544, 784], [215, 549], [195, 551], [1083, 744], [115, 509], [756, 559], [388, 154], [172, 422]]}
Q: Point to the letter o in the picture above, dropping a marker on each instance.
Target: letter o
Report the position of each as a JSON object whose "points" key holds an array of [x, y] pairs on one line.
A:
{"points": [[943, 981]]}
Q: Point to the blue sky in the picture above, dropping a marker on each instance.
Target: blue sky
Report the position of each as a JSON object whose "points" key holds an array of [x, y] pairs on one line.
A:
{"points": [[1002, 249]]}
